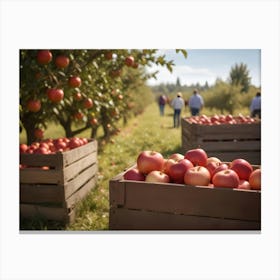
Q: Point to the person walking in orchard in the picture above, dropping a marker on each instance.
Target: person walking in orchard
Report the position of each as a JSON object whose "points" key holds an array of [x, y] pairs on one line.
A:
{"points": [[161, 103], [177, 104], [255, 106], [196, 103]]}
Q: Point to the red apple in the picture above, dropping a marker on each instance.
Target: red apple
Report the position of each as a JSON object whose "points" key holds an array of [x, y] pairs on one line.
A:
{"points": [[88, 103], [74, 81], [38, 133], [41, 150], [134, 174], [177, 171], [197, 176], [44, 57], [23, 148], [62, 61], [148, 161], [212, 166], [255, 179], [167, 164], [229, 117], [220, 167], [242, 167], [129, 61], [226, 179], [78, 115], [74, 143], [55, 95], [197, 157], [94, 121], [176, 157], [244, 185], [157, 177], [213, 159], [77, 96], [33, 105]]}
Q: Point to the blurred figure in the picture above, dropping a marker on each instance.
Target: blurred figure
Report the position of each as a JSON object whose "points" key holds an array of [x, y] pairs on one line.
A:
{"points": [[255, 106], [161, 102], [177, 104], [196, 103]]}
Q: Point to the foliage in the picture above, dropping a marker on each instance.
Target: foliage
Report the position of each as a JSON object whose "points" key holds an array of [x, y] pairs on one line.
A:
{"points": [[109, 78], [239, 76]]}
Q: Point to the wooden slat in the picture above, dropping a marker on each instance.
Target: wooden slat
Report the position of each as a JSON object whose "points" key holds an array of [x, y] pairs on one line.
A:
{"points": [[126, 219], [71, 186], [30, 211], [53, 160], [190, 200], [39, 176], [41, 193], [73, 170], [230, 145], [117, 191], [224, 131], [81, 192], [252, 157], [73, 155]]}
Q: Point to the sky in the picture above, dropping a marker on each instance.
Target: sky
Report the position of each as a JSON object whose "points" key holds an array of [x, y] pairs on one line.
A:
{"points": [[203, 65]]}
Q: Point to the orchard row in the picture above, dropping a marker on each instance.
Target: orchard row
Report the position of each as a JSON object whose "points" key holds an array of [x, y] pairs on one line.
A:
{"points": [[195, 168]]}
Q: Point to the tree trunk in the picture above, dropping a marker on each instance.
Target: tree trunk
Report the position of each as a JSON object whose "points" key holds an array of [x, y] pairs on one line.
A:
{"points": [[93, 132]]}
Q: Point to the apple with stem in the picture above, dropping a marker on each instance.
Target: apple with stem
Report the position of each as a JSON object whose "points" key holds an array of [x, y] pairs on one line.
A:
{"points": [[225, 179], [177, 171], [242, 167], [197, 176], [148, 161], [197, 157]]}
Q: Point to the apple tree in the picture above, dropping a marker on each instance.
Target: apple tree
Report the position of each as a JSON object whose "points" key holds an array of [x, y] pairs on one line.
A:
{"points": [[81, 89]]}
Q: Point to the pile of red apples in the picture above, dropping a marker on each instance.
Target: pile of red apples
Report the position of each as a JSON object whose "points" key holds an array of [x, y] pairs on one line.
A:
{"points": [[51, 146], [221, 119], [195, 168]]}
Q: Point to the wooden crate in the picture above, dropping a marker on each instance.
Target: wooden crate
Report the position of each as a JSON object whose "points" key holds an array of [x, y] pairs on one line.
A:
{"points": [[52, 194], [157, 206], [225, 141]]}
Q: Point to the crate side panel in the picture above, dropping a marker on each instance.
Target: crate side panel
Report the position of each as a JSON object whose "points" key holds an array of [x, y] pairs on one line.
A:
{"points": [[250, 131], [30, 211], [117, 191], [39, 176], [75, 154], [81, 193], [73, 185], [41, 193], [53, 160], [229, 146], [126, 219], [73, 170], [252, 157], [189, 200]]}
